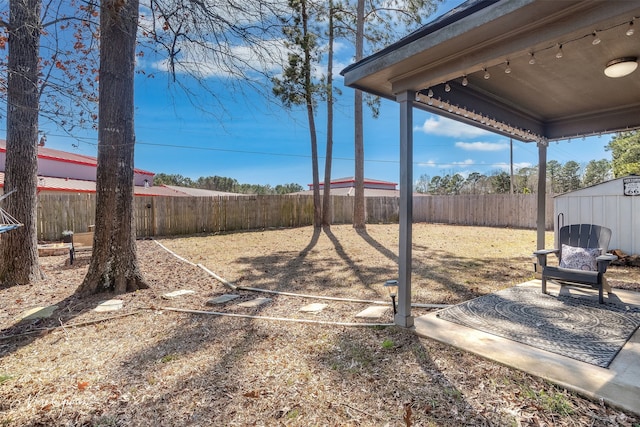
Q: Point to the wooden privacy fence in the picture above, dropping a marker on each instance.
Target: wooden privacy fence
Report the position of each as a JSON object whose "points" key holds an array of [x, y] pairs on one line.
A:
{"points": [[165, 216]]}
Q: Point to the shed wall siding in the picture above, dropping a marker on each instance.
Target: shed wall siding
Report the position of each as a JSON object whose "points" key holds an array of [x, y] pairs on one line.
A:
{"points": [[606, 205]]}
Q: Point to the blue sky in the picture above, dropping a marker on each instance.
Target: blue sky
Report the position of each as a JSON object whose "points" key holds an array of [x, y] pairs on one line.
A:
{"points": [[258, 142]]}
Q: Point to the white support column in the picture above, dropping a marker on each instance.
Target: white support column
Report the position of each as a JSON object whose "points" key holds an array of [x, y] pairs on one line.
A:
{"points": [[542, 192], [403, 317]]}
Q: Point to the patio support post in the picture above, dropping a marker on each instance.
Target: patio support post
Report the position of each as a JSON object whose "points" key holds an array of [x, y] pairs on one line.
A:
{"points": [[542, 192], [403, 317]]}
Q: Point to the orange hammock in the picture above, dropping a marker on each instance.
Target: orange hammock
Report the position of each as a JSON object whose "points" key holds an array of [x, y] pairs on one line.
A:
{"points": [[7, 222]]}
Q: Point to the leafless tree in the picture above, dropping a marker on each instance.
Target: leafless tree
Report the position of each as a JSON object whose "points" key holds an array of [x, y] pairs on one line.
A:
{"points": [[44, 81]]}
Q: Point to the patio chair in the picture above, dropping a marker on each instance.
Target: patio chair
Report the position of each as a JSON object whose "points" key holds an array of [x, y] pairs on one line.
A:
{"points": [[582, 256]]}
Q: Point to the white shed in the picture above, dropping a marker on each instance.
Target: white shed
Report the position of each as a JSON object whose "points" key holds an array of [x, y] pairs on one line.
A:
{"points": [[614, 204]]}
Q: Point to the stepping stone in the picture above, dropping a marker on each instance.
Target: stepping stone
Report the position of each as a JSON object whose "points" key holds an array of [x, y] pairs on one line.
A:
{"points": [[37, 313], [255, 302], [109, 305], [313, 308], [222, 299], [178, 293], [373, 312]]}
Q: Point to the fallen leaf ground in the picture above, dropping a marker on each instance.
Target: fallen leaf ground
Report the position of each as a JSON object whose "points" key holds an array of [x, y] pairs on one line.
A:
{"points": [[150, 365]]}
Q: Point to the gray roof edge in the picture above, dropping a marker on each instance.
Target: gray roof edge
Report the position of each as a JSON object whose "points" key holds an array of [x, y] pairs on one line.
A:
{"points": [[456, 14], [609, 182]]}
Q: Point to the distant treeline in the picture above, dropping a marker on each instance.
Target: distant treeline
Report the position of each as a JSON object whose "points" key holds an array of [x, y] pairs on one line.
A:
{"points": [[221, 183], [560, 179]]}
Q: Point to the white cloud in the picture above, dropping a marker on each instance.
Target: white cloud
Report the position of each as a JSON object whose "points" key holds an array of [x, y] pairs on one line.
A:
{"points": [[428, 164], [208, 61], [464, 163], [447, 127], [482, 146], [433, 164], [516, 166], [339, 47]]}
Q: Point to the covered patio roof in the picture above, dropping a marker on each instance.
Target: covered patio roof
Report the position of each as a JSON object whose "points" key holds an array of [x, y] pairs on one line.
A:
{"points": [[542, 96], [532, 70]]}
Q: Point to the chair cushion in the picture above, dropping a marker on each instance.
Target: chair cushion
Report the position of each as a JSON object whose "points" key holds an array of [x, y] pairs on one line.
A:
{"points": [[579, 258]]}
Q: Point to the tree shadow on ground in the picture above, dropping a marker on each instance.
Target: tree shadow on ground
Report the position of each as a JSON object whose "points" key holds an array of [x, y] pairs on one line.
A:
{"points": [[437, 266], [401, 377], [333, 376], [191, 369], [295, 272], [460, 276], [23, 332], [365, 275]]}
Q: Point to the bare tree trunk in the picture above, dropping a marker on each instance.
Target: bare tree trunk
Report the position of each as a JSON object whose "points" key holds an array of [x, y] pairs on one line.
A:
{"points": [[19, 250], [308, 96], [114, 264], [326, 204], [358, 207]]}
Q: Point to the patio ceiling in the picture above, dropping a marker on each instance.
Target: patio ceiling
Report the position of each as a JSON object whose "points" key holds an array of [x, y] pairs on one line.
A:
{"points": [[552, 98]]}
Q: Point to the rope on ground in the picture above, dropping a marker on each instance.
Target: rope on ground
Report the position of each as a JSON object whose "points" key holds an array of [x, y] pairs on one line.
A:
{"points": [[62, 326], [218, 278], [280, 319], [269, 291], [174, 254], [322, 297]]}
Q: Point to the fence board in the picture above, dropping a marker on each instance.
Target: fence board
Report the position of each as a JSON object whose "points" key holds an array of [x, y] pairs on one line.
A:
{"points": [[163, 216]]}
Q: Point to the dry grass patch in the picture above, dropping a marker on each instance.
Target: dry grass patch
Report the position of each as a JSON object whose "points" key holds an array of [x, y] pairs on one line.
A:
{"points": [[151, 366]]}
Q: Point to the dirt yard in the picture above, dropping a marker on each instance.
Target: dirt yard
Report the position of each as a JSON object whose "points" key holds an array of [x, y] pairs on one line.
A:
{"points": [[149, 365]]}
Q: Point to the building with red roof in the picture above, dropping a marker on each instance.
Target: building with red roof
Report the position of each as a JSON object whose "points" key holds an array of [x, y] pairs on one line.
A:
{"points": [[347, 187], [71, 166], [64, 172]]}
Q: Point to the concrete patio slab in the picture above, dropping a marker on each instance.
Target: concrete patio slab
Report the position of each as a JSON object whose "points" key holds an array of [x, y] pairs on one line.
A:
{"points": [[37, 313], [222, 299], [109, 305], [255, 302], [373, 312], [316, 307], [178, 293], [618, 385]]}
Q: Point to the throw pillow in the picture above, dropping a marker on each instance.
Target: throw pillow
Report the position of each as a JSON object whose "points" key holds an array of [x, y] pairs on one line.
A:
{"points": [[579, 258]]}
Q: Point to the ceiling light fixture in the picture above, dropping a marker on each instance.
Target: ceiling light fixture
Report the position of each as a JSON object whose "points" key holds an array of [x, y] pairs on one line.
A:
{"points": [[596, 40], [508, 69], [621, 67], [465, 81], [486, 74], [430, 93], [630, 29], [447, 88], [559, 53], [532, 59]]}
